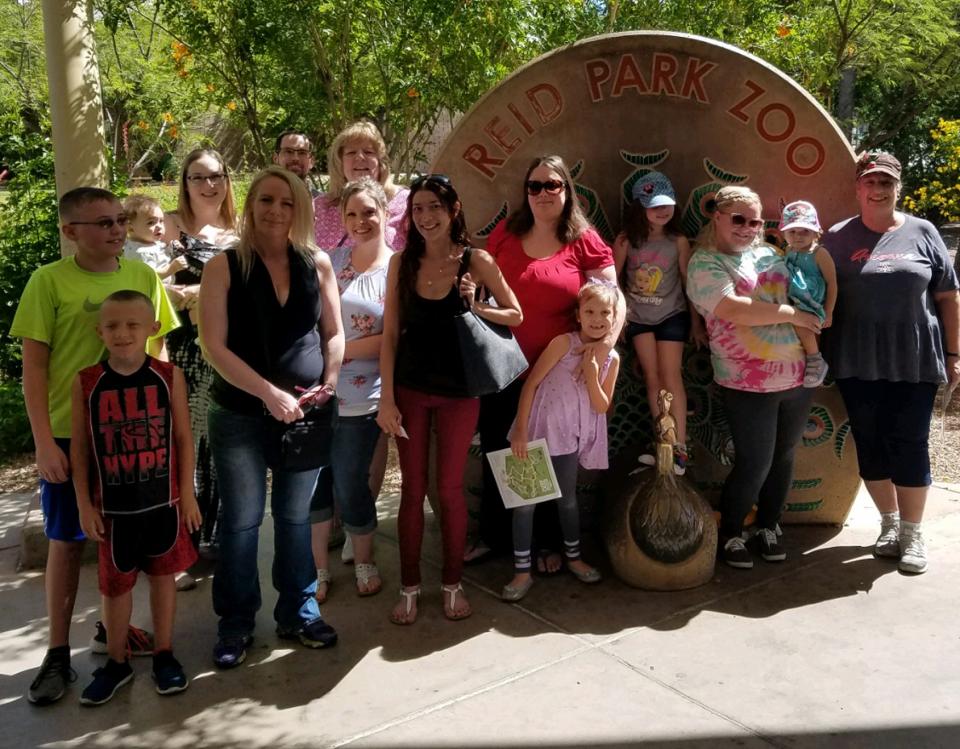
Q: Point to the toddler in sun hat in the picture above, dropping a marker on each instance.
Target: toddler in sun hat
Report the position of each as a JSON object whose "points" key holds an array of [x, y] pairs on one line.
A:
{"points": [[813, 280]]}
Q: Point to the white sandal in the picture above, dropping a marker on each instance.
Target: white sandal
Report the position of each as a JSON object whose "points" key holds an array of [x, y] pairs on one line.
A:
{"points": [[409, 596], [323, 576], [364, 571], [449, 610]]}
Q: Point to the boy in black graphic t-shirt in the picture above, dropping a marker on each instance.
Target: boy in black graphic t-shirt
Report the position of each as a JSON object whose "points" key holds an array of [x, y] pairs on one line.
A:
{"points": [[132, 457]]}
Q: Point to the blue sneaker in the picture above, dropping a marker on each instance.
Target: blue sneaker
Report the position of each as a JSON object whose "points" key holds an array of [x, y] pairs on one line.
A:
{"points": [[316, 634], [168, 673], [106, 681], [231, 650]]}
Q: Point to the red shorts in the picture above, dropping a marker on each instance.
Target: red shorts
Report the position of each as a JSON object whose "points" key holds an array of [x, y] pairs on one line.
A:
{"points": [[156, 542]]}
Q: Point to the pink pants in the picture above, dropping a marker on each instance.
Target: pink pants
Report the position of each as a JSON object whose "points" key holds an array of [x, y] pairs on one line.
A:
{"points": [[456, 421]]}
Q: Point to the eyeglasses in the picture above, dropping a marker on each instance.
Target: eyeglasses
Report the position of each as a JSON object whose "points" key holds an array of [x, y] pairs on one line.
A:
{"points": [[213, 179], [440, 179], [104, 223], [301, 153], [551, 186], [738, 219]]}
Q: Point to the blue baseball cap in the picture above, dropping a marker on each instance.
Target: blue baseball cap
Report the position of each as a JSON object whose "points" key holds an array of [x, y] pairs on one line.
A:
{"points": [[653, 190]]}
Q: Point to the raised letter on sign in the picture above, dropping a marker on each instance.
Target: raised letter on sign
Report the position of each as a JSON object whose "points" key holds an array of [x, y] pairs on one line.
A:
{"points": [[598, 73], [629, 76], [755, 93], [696, 71], [546, 102], [476, 156], [664, 68], [499, 133]]}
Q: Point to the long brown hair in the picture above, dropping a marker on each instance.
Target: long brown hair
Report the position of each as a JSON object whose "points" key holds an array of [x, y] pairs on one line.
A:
{"points": [[416, 245], [572, 221]]}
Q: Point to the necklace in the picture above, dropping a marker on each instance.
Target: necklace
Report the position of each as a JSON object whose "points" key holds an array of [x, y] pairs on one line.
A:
{"points": [[441, 271]]}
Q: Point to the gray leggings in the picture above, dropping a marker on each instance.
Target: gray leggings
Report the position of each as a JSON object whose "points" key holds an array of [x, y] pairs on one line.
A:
{"points": [[565, 466]]}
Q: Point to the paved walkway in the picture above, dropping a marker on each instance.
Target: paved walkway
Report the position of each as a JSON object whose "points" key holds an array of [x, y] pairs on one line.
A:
{"points": [[832, 648]]}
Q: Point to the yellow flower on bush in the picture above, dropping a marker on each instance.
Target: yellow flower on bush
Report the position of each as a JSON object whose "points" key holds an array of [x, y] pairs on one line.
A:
{"points": [[232, 106], [939, 199]]}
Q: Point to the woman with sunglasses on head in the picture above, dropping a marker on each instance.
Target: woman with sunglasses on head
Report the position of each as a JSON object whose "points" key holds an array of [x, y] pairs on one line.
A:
{"points": [[739, 284], [358, 151], [895, 338], [422, 377], [205, 218], [546, 250]]}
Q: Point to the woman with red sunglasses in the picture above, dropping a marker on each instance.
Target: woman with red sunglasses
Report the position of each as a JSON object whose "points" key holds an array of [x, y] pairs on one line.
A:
{"points": [[739, 284], [546, 251]]}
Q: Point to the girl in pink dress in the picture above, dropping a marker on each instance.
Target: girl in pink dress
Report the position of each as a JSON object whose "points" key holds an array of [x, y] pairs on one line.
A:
{"points": [[569, 411]]}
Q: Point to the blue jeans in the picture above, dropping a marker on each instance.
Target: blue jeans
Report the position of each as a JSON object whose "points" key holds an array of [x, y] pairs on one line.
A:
{"points": [[237, 443], [348, 476]]}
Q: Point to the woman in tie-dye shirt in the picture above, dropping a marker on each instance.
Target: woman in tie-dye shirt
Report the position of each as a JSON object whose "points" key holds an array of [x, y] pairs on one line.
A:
{"points": [[739, 285]]}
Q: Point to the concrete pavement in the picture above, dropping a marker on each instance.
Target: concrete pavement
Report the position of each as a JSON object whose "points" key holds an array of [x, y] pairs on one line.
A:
{"points": [[831, 648]]}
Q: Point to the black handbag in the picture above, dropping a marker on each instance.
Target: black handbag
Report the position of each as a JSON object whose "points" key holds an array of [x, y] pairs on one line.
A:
{"points": [[302, 445], [491, 356]]}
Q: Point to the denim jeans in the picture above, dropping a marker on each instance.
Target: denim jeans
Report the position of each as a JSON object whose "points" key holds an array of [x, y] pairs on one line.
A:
{"points": [[237, 442], [348, 476]]}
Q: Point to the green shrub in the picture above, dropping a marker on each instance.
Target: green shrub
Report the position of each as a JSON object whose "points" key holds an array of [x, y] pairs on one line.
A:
{"points": [[15, 435], [29, 231]]}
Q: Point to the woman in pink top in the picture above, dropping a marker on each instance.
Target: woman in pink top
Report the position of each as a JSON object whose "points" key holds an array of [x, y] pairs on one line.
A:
{"points": [[358, 151], [546, 251]]}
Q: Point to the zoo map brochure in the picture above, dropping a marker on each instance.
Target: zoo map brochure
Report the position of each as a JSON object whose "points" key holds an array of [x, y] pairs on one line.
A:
{"points": [[524, 482]]}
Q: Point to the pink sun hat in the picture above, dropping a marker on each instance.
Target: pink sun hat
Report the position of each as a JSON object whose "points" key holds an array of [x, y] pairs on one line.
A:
{"points": [[799, 215]]}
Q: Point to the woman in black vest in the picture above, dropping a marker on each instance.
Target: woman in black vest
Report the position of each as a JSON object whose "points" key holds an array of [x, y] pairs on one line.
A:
{"points": [[270, 326]]}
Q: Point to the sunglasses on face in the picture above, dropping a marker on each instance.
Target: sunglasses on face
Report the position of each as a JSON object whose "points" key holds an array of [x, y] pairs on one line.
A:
{"points": [[437, 179], [738, 219], [550, 186], [104, 223], [213, 179]]}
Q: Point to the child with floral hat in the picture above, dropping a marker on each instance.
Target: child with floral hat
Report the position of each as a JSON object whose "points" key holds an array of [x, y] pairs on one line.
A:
{"points": [[813, 280]]}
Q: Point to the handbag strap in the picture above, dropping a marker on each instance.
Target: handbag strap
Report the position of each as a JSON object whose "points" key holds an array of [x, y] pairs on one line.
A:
{"points": [[463, 270]]}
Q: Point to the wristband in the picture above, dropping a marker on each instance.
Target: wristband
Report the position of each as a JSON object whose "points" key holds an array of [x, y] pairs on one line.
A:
{"points": [[954, 354]]}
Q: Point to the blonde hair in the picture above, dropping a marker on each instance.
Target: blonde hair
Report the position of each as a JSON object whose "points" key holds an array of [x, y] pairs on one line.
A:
{"points": [[136, 204], [725, 197], [363, 186], [601, 289], [360, 131], [301, 230], [228, 212]]}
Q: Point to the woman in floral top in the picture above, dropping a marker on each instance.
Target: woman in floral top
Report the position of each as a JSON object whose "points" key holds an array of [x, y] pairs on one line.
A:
{"points": [[358, 151], [361, 273], [739, 285]]}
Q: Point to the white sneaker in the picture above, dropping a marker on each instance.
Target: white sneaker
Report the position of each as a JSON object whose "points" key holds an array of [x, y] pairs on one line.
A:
{"points": [[888, 542], [914, 557], [346, 553]]}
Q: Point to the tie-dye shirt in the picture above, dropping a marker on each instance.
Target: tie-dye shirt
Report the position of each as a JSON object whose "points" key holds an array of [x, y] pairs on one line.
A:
{"points": [[755, 358]]}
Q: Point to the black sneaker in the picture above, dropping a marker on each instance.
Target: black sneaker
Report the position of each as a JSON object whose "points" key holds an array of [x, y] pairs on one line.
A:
{"points": [[106, 681], [735, 554], [316, 634], [139, 641], [770, 547], [231, 651], [168, 673], [51, 681]]}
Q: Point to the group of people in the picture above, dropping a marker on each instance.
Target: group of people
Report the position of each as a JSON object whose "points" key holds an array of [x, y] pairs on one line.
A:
{"points": [[161, 370]]}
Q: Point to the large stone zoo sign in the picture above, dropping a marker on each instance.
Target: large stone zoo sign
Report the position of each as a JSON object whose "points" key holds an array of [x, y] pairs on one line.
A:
{"points": [[706, 114]]}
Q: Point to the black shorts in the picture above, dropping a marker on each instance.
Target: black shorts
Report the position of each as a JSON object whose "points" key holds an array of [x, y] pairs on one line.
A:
{"points": [[674, 328]]}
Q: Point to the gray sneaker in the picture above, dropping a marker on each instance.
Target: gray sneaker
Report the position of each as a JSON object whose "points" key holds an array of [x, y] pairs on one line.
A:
{"points": [[888, 542], [914, 558], [815, 372], [52, 678]]}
